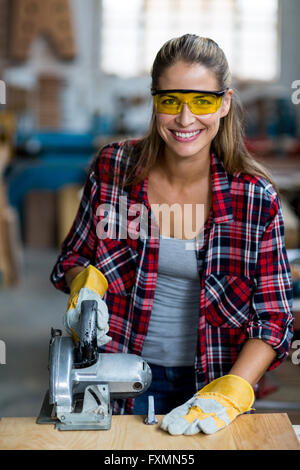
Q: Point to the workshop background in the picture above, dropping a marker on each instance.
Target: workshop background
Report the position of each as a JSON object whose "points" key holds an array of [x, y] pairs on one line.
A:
{"points": [[74, 76]]}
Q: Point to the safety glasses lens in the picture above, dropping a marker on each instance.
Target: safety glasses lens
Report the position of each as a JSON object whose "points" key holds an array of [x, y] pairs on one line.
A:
{"points": [[168, 104], [204, 104], [198, 103]]}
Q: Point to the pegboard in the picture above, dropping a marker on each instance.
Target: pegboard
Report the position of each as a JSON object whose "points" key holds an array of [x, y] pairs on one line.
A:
{"points": [[50, 18]]}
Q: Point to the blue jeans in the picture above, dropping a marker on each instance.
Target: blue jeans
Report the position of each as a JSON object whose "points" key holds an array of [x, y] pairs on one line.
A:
{"points": [[171, 387]]}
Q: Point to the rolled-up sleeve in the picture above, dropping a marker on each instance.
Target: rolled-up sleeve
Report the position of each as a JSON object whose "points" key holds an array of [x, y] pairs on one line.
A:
{"points": [[78, 248], [271, 318]]}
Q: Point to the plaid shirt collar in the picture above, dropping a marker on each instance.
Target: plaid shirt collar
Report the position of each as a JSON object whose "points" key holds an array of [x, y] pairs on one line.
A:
{"points": [[221, 200]]}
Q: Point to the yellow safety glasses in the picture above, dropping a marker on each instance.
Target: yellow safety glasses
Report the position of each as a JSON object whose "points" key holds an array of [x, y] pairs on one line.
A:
{"points": [[198, 101]]}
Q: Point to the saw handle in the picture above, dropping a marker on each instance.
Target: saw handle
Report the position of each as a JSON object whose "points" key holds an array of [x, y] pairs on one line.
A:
{"points": [[87, 350]]}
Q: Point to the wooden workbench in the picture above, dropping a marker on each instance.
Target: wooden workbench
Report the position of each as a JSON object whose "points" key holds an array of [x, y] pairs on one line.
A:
{"points": [[247, 432]]}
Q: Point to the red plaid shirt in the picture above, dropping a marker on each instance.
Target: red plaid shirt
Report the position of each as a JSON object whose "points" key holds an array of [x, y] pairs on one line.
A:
{"points": [[246, 288]]}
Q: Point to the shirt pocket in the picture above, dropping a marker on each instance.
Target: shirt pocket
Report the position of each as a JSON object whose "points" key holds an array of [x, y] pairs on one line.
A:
{"points": [[117, 262], [227, 300]]}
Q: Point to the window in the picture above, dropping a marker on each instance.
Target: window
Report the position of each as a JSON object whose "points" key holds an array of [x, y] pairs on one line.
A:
{"points": [[133, 31]]}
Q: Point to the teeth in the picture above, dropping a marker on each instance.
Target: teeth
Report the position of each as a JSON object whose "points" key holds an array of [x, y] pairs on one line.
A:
{"points": [[186, 135]]}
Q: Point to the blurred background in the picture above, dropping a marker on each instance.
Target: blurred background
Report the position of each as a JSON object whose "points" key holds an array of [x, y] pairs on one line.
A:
{"points": [[75, 75]]}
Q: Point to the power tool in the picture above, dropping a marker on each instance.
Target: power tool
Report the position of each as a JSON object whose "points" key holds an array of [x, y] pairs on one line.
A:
{"points": [[84, 381]]}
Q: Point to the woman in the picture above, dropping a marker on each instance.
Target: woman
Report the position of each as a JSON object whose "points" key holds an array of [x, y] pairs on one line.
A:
{"points": [[206, 297]]}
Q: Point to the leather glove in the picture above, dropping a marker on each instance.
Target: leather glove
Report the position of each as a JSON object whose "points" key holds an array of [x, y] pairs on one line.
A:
{"points": [[212, 408], [89, 284]]}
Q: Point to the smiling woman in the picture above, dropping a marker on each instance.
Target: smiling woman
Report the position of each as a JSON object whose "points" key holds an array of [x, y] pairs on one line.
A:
{"points": [[212, 317], [195, 123], [195, 63]]}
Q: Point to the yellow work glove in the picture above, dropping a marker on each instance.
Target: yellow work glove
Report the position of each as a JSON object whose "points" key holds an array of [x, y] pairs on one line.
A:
{"points": [[89, 284], [212, 408]]}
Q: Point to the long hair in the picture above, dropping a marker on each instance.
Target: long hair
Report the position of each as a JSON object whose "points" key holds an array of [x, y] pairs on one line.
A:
{"points": [[228, 144]]}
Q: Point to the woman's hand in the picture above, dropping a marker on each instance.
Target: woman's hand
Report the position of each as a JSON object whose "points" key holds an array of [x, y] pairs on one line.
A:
{"points": [[88, 284], [212, 408], [220, 402]]}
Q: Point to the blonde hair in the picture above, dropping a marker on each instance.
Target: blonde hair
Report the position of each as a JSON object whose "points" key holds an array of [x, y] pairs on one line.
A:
{"points": [[228, 144]]}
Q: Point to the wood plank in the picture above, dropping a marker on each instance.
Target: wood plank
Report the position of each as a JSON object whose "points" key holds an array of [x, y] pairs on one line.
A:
{"points": [[247, 432], [68, 200], [40, 218]]}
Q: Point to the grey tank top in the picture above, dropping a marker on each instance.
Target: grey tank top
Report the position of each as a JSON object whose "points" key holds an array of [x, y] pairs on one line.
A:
{"points": [[173, 328]]}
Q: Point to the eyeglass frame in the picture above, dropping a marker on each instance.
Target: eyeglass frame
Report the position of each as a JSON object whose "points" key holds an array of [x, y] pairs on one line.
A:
{"points": [[217, 94], [154, 91]]}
